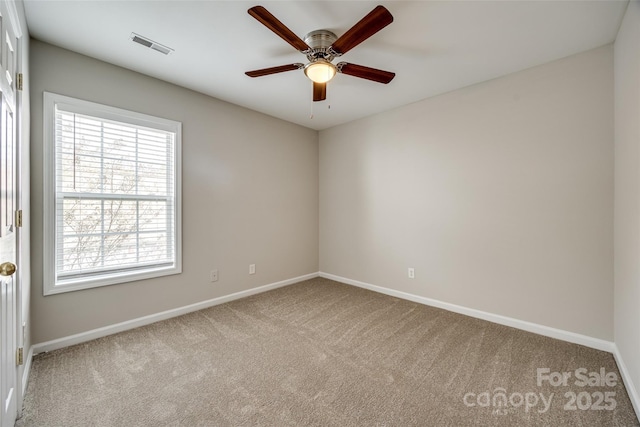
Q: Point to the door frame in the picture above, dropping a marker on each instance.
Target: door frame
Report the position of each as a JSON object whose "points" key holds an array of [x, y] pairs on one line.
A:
{"points": [[21, 249]]}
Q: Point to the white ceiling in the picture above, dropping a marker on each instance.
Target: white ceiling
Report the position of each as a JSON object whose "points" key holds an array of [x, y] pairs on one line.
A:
{"points": [[432, 46]]}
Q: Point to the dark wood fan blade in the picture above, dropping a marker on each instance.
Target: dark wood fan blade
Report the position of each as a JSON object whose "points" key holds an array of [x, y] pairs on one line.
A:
{"points": [[272, 23], [363, 72], [376, 20], [273, 70], [319, 91]]}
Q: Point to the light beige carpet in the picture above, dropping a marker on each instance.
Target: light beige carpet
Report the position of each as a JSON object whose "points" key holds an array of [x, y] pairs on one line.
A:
{"points": [[324, 354]]}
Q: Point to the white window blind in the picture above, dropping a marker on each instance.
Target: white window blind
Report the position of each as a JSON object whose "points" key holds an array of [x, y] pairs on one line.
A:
{"points": [[116, 199]]}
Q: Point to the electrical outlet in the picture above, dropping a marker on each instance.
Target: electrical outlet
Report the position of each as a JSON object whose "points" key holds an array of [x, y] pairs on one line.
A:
{"points": [[252, 269], [412, 273], [214, 275]]}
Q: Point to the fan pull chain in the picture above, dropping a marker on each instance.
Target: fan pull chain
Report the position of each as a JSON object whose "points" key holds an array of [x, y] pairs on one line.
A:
{"points": [[311, 109]]}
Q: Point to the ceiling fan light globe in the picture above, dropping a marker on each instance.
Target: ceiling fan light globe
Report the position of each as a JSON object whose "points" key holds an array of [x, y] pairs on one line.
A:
{"points": [[320, 71]]}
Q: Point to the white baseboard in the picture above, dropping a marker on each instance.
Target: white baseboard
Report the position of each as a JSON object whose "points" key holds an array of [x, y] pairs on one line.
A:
{"points": [[628, 382], [560, 334], [152, 318]]}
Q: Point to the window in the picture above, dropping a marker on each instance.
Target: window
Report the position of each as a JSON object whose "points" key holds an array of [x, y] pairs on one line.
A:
{"points": [[112, 195]]}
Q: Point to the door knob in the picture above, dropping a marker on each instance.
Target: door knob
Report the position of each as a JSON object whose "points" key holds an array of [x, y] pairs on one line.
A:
{"points": [[7, 269]]}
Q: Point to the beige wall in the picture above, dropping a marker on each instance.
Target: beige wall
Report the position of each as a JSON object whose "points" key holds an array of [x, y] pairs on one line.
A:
{"points": [[250, 195], [500, 195], [627, 191]]}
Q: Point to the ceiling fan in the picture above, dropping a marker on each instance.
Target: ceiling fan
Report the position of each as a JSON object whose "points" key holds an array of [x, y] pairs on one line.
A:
{"points": [[322, 46]]}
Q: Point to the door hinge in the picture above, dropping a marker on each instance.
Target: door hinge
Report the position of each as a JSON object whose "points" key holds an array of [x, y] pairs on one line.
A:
{"points": [[19, 218], [19, 356], [19, 81]]}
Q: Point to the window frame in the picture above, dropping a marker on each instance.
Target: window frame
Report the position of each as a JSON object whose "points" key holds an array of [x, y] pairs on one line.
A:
{"points": [[51, 284]]}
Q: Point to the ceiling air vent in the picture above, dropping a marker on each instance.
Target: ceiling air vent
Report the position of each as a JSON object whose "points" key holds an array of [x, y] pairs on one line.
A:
{"points": [[137, 38]]}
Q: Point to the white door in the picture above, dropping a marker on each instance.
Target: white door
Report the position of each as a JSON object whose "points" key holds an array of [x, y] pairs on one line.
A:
{"points": [[8, 231], [8, 306]]}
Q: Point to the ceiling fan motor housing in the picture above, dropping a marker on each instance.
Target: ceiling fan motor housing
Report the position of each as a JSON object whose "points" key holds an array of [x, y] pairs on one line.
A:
{"points": [[320, 42]]}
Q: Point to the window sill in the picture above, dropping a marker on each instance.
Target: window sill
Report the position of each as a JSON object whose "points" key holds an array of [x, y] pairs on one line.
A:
{"points": [[89, 282]]}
